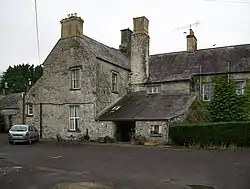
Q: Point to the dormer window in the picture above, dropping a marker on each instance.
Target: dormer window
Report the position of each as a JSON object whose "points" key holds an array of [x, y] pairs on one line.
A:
{"points": [[153, 89]]}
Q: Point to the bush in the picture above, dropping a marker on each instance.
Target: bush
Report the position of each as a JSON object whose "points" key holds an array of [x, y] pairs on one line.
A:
{"points": [[217, 134]]}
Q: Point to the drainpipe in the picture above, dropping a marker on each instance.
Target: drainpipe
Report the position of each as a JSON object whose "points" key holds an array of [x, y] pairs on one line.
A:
{"points": [[23, 98]]}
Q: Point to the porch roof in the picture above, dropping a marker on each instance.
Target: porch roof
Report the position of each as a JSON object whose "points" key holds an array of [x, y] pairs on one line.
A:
{"points": [[10, 101], [143, 106]]}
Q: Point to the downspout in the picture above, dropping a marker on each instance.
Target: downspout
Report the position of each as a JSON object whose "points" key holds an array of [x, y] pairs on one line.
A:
{"points": [[23, 98]]}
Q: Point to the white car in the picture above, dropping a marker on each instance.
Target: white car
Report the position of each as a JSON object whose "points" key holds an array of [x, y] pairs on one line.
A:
{"points": [[23, 133]]}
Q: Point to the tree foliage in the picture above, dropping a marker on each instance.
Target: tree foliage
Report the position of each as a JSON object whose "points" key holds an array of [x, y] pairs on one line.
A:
{"points": [[226, 105], [18, 77], [198, 112]]}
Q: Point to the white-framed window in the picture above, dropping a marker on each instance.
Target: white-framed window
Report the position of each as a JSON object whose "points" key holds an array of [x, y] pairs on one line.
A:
{"points": [[240, 87], [75, 78], [74, 117], [114, 82], [153, 89], [30, 110], [207, 91], [155, 129]]}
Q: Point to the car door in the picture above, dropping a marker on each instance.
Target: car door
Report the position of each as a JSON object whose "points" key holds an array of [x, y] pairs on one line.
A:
{"points": [[36, 134]]}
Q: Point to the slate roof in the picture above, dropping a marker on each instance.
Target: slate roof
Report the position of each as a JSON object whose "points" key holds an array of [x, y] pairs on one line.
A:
{"points": [[182, 65], [179, 65], [106, 53], [10, 101], [143, 106]]}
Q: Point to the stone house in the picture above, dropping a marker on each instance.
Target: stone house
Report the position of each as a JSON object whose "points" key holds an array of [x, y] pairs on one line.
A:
{"points": [[87, 85]]}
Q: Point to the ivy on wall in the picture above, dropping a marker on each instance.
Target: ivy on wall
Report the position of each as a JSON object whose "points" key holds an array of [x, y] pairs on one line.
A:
{"points": [[225, 106], [246, 100]]}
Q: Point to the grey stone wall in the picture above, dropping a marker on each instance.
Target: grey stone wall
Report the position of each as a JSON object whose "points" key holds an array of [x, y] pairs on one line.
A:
{"points": [[169, 87], [105, 128], [55, 120], [104, 94], [143, 128], [176, 87], [53, 88]]}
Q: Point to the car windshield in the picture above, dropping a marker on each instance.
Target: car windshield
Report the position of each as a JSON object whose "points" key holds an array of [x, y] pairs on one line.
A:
{"points": [[19, 128]]}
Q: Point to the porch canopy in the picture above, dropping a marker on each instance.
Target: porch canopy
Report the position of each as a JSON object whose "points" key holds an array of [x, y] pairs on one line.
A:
{"points": [[137, 106], [9, 104]]}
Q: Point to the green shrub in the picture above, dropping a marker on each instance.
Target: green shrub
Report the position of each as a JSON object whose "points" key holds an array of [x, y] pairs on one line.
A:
{"points": [[231, 133]]}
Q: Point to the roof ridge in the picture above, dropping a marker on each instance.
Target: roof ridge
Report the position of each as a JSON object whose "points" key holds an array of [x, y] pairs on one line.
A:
{"points": [[199, 50]]}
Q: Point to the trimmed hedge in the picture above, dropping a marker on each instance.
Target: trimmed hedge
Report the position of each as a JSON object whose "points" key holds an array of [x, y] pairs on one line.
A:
{"points": [[236, 133]]}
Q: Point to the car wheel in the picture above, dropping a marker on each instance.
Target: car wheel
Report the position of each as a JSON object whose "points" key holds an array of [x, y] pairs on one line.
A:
{"points": [[11, 142]]}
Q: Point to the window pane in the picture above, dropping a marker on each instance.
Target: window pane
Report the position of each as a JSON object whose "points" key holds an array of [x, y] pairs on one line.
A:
{"points": [[71, 124], [73, 75], [76, 111], [240, 87], [77, 123], [156, 129], [77, 84], [71, 114], [207, 91], [77, 74]]}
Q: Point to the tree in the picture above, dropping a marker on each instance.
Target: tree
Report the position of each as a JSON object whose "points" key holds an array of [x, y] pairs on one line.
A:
{"points": [[19, 77], [226, 105]]}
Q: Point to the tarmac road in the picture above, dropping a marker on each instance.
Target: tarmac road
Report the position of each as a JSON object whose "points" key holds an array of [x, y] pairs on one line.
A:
{"points": [[43, 165]]}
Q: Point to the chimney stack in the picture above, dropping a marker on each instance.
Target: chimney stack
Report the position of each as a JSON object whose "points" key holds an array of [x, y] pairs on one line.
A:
{"points": [[125, 45], [140, 50], [191, 41], [72, 26]]}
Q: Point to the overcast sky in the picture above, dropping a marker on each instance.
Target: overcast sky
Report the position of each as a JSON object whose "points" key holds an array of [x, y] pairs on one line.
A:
{"points": [[222, 22]]}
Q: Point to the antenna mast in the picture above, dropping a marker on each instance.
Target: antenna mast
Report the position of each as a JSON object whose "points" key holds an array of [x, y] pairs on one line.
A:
{"points": [[189, 26]]}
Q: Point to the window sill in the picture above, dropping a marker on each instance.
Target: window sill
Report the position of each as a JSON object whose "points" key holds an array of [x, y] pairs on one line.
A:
{"points": [[29, 115], [74, 131], [153, 93], [206, 100], [156, 135], [116, 92], [75, 89]]}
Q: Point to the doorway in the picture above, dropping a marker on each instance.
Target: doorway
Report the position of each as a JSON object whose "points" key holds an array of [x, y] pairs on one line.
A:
{"points": [[124, 129], [2, 124]]}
